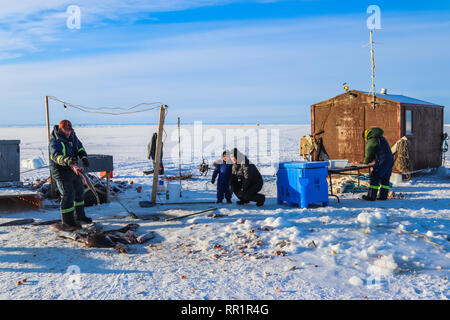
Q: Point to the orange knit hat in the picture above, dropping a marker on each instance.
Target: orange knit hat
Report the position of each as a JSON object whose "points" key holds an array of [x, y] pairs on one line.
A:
{"points": [[66, 124]]}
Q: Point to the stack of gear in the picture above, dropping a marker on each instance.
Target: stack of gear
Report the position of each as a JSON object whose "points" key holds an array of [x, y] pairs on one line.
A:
{"points": [[312, 149], [402, 161], [96, 192], [204, 167], [349, 184], [307, 146]]}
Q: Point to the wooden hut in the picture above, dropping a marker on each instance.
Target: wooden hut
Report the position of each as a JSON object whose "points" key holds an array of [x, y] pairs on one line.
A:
{"points": [[344, 118]]}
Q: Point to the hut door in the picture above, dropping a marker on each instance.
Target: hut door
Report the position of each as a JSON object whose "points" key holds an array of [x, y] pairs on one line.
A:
{"points": [[349, 125]]}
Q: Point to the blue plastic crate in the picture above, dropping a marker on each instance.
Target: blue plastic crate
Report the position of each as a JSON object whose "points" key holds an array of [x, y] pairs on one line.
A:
{"points": [[302, 183], [304, 165]]}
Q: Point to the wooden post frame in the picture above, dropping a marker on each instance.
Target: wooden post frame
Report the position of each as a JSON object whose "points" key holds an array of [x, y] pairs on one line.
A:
{"points": [[179, 153], [162, 116], [47, 117]]}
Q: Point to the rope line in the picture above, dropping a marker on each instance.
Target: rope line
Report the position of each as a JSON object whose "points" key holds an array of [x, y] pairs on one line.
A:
{"points": [[98, 110], [423, 237]]}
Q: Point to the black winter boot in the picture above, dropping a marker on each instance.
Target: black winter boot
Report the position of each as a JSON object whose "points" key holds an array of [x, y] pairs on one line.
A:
{"points": [[371, 195], [383, 194], [68, 221], [260, 203], [81, 216]]}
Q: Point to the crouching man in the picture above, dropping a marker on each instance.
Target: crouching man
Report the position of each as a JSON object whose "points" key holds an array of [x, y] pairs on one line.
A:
{"points": [[246, 181], [377, 148], [65, 149]]}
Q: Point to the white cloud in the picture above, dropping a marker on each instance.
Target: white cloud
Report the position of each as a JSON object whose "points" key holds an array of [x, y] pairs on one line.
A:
{"points": [[36, 23], [23, 8], [244, 68], [245, 65]]}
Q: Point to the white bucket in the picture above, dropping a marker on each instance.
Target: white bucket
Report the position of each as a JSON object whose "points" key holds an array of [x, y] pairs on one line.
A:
{"points": [[34, 163], [338, 164], [174, 192], [396, 178]]}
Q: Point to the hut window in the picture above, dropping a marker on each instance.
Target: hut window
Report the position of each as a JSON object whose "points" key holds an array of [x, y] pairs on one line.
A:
{"points": [[408, 122]]}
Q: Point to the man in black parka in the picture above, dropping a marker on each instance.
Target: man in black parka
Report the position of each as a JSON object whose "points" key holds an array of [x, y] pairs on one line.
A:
{"points": [[65, 150], [246, 181]]}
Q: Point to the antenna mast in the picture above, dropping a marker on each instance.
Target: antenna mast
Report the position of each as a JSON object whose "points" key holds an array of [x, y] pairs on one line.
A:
{"points": [[372, 56]]}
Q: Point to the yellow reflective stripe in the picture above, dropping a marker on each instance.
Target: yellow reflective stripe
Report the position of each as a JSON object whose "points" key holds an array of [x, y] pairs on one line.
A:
{"points": [[366, 133], [385, 187], [81, 149], [77, 204], [59, 160], [374, 187], [67, 210], [64, 149]]}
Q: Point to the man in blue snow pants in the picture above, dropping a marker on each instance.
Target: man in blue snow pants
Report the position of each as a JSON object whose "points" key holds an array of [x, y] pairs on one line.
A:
{"points": [[223, 170]]}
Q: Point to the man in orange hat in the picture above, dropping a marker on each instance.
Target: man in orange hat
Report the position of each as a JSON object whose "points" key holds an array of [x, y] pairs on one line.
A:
{"points": [[65, 150]]}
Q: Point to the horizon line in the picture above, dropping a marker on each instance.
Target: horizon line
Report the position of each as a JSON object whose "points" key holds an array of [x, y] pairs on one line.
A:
{"points": [[155, 123], [168, 123]]}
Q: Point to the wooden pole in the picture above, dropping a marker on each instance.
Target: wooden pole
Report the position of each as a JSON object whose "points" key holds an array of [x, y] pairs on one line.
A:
{"points": [[162, 115], [47, 117], [179, 153]]}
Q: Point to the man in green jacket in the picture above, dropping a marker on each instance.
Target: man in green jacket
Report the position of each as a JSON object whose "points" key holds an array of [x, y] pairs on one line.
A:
{"points": [[378, 150]]}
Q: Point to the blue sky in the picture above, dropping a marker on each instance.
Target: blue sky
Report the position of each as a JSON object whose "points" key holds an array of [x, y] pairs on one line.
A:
{"points": [[219, 61]]}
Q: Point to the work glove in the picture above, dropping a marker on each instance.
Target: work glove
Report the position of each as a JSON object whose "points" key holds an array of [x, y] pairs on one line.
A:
{"points": [[213, 180], [76, 169], [85, 161], [69, 161]]}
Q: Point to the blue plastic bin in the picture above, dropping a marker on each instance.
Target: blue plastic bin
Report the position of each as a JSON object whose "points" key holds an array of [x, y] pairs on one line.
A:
{"points": [[302, 183]]}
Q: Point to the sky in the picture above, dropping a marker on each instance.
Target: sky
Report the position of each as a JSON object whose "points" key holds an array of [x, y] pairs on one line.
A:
{"points": [[216, 61]]}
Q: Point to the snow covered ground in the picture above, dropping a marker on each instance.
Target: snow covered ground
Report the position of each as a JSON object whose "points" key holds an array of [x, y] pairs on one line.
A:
{"points": [[398, 249]]}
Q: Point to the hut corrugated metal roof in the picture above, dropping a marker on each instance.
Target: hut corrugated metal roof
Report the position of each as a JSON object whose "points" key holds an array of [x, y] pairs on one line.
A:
{"points": [[402, 99]]}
